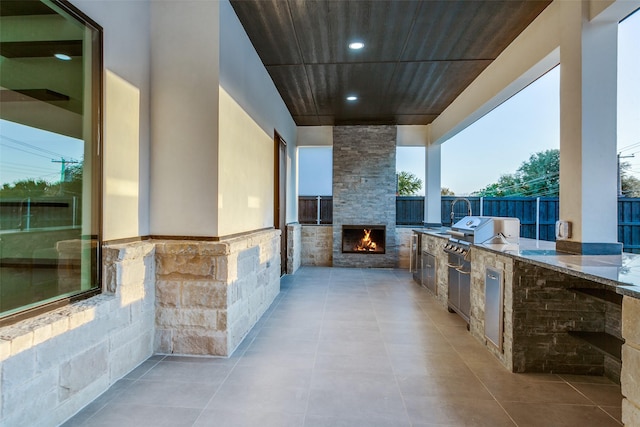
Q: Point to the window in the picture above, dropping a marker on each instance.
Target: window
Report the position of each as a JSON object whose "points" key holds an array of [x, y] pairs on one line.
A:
{"points": [[410, 168], [50, 93], [315, 186]]}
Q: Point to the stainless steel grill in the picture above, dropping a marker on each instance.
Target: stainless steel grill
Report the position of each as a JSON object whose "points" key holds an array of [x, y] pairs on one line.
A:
{"points": [[485, 229], [477, 230]]}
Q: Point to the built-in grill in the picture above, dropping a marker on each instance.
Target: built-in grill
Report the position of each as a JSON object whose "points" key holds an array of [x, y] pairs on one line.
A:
{"points": [[476, 230], [486, 229]]}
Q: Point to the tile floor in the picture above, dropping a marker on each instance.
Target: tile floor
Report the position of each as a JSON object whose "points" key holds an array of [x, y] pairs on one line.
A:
{"points": [[351, 347]]}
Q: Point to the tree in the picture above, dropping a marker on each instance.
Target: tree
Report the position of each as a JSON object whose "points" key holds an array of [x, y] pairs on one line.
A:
{"points": [[72, 186], [538, 176], [25, 188], [630, 185], [444, 191], [408, 184]]}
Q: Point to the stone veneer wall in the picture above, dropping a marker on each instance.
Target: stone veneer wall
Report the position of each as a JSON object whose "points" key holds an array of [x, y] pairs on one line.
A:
{"points": [[210, 294], [56, 363], [480, 260], [630, 376], [317, 245], [435, 246], [540, 309], [403, 240], [544, 310], [364, 189], [294, 247]]}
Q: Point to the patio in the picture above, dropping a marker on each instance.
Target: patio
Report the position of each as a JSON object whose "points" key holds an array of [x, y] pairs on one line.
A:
{"points": [[351, 347]]}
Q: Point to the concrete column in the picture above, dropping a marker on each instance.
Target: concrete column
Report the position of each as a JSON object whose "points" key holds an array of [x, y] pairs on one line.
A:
{"points": [[588, 103], [432, 199]]}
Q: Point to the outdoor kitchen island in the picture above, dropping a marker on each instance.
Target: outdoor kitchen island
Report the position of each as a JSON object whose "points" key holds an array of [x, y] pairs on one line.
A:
{"points": [[538, 310]]}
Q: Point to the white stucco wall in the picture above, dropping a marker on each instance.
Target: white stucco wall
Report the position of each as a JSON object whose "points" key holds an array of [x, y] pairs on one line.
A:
{"points": [[247, 82], [126, 135], [184, 157], [315, 136], [412, 136], [322, 136], [245, 192]]}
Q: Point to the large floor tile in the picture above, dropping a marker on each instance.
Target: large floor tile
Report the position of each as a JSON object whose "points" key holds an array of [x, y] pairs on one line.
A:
{"points": [[167, 393], [557, 415], [601, 394], [324, 421], [351, 348], [260, 398], [189, 372], [137, 415], [457, 412], [231, 418], [379, 403]]}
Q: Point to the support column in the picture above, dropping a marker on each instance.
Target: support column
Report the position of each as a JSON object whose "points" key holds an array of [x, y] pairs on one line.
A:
{"points": [[185, 59], [588, 104], [432, 199]]}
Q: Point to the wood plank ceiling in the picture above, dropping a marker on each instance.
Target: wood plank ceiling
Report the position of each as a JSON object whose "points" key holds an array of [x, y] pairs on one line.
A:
{"points": [[418, 55]]}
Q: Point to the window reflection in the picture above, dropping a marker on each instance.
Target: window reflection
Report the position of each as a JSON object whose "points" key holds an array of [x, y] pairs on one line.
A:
{"points": [[49, 173]]}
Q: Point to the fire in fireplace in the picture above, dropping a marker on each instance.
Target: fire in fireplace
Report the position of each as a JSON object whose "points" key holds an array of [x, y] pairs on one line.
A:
{"points": [[363, 239]]}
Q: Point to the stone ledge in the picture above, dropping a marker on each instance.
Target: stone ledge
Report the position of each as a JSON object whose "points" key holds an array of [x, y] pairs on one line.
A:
{"points": [[17, 338], [629, 378], [630, 413], [631, 320]]}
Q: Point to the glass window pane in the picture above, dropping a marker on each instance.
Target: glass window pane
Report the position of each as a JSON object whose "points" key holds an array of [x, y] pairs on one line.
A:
{"points": [[49, 169], [315, 165]]}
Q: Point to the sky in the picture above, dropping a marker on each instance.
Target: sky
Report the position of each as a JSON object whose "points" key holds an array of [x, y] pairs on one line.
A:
{"points": [[502, 140], [27, 152]]}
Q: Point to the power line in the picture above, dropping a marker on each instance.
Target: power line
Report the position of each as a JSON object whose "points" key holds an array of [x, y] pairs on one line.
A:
{"points": [[28, 152], [628, 147], [33, 147]]}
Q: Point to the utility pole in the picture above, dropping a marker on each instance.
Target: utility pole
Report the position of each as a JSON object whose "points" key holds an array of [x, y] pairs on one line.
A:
{"points": [[63, 169], [620, 173]]}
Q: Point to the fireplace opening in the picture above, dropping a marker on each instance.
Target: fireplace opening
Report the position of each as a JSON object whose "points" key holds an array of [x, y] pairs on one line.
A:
{"points": [[363, 239]]}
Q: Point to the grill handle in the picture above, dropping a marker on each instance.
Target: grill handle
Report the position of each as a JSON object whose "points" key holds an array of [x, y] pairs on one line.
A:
{"points": [[456, 233]]}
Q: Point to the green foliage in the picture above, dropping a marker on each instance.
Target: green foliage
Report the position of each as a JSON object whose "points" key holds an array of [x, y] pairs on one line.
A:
{"points": [[408, 184], [536, 177], [72, 186], [630, 185], [25, 188], [444, 191], [540, 177]]}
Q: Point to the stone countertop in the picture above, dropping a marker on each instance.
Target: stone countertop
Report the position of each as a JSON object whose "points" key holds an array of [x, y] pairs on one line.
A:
{"points": [[621, 272]]}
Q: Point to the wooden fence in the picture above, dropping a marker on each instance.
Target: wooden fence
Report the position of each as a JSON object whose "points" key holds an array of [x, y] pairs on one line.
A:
{"points": [[41, 212], [537, 215]]}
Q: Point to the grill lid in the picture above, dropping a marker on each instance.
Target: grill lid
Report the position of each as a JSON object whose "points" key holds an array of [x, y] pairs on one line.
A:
{"points": [[481, 229], [468, 224]]}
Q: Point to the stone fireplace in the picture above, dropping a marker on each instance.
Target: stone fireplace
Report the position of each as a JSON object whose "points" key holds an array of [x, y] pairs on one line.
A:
{"points": [[364, 192], [363, 239]]}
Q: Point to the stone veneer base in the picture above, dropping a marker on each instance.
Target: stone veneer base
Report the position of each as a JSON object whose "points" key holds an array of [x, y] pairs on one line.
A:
{"points": [[56, 363], [210, 294], [294, 247], [629, 377], [190, 297]]}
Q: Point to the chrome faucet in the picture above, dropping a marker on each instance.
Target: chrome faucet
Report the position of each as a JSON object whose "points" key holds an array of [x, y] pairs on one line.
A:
{"points": [[469, 212]]}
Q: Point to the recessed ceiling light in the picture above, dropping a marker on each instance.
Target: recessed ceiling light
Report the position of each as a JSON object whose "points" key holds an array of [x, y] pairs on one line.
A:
{"points": [[352, 98], [356, 45], [62, 56]]}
